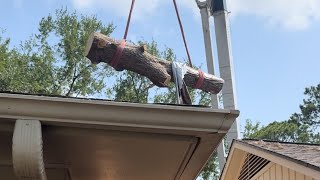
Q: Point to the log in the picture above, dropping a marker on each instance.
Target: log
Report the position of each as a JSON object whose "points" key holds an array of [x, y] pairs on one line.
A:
{"points": [[101, 48]]}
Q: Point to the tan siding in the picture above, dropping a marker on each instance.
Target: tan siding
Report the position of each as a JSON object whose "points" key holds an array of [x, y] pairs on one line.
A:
{"points": [[300, 176], [285, 173], [233, 166], [277, 172], [273, 173], [266, 175], [308, 178], [292, 174]]}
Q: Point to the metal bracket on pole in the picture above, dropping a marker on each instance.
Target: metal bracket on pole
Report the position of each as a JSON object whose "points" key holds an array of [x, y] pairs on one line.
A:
{"points": [[27, 153]]}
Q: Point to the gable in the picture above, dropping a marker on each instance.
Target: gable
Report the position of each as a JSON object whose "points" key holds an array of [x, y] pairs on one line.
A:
{"points": [[247, 161], [278, 172]]}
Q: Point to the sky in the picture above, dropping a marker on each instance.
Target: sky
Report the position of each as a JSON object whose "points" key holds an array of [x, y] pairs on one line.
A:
{"points": [[275, 43]]}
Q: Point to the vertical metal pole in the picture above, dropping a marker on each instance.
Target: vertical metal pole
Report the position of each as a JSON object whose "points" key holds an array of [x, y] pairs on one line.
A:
{"points": [[222, 30], [203, 6], [204, 10]]}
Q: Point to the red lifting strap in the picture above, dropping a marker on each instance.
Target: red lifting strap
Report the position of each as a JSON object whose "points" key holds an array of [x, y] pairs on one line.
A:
{"points": [[116, 57], [200, 80]]}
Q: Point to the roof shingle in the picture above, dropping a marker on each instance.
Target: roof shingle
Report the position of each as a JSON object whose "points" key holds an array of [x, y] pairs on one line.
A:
{"points": [[305, 153]]}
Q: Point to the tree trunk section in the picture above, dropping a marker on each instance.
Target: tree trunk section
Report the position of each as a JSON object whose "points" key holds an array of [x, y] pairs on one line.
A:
{"points": [[101, 48]]}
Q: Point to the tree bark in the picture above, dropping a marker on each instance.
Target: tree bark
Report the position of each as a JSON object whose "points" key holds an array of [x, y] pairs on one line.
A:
{"points": [[101, 48]]}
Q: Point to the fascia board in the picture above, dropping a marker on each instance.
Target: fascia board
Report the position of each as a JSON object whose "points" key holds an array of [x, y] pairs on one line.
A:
{"points": [[94, 112]]}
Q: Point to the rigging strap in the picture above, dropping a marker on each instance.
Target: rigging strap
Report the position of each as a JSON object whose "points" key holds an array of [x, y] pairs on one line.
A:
{"points": [[117, 55]]}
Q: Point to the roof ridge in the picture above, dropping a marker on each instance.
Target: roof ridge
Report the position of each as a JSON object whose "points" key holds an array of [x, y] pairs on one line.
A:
{"points": [[282, 142]]}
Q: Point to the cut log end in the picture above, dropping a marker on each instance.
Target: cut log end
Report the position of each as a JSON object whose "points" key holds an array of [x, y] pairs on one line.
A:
{"points": [[89, 44]]}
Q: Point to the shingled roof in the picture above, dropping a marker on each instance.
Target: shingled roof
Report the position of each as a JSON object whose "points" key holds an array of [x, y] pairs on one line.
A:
{"points": [[302, 153], [248, 157]]}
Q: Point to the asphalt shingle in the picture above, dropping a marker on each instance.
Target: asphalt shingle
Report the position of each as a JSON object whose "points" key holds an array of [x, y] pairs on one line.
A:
{"points": [[306, 153]]}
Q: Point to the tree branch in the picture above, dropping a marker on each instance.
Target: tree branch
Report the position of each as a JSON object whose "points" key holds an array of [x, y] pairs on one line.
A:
{"points": [[75, 77]]}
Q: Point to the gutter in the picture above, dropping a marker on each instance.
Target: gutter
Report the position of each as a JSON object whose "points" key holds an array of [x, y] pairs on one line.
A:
{"points": [[60, 111]]}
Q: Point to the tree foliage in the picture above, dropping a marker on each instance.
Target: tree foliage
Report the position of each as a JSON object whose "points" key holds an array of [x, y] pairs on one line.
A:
{"points": [[310, 109], [210, 171], [52, 61], [300, 127], [278, 131]]}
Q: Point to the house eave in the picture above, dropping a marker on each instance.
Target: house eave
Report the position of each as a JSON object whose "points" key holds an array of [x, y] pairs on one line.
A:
{"points": [[207, 126], [55, 110]]}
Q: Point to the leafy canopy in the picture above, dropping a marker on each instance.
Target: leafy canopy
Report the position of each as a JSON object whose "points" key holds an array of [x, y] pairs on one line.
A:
{"points": [[52, 61], [300, 127]]}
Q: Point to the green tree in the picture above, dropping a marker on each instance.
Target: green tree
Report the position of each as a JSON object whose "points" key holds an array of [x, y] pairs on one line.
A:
{"points": [[310, 109], [250, 128], [211, 171], [52, 61], [300, 127], [278, 131]]}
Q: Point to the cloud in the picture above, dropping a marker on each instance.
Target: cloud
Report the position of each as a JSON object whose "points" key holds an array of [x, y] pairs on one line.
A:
{"points": [[120, 7], [288, 14], [142, 7], [190, 4]]}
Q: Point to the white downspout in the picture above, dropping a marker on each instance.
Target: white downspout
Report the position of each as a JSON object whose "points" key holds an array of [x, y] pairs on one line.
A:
{"points": [[27, 153]]}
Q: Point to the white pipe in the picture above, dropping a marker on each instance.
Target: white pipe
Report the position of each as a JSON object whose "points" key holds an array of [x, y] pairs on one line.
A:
{"points": [[27, 155]]}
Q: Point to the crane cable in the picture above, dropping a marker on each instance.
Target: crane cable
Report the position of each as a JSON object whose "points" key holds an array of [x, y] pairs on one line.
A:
{"points": [[182, 32], [128, 21], [116, 57], [200, 80]]}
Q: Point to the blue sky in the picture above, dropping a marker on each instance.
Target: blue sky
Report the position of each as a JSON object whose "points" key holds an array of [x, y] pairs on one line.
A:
{"points": [[275, 42]]}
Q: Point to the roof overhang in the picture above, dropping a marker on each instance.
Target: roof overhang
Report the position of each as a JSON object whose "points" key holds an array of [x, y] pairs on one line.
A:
{"points": [[176, 139]]}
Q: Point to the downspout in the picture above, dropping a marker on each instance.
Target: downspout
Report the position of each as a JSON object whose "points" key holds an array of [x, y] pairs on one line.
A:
{"points": [[27, 154]]}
